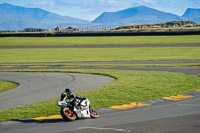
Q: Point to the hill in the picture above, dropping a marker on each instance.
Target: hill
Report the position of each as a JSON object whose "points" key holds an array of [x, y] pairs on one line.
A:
{"points": [[169, 26], [192, 15], [136, 15], [18, 18]]}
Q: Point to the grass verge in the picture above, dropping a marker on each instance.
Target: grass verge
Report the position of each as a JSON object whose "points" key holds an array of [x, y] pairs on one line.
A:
{"points": [[113, 40], [5, 86], [130, 86], [97, 54]]}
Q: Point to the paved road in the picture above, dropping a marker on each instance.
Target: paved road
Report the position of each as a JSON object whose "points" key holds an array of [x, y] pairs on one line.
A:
{"points": [[186, 70], [123, 62], [36, 87]]}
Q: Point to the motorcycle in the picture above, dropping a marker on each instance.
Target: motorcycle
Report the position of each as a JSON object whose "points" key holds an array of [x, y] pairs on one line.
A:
{"points": [[81, 109]]}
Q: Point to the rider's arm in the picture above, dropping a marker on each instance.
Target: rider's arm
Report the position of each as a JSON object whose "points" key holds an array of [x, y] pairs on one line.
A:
{"points": [[63, 96]]}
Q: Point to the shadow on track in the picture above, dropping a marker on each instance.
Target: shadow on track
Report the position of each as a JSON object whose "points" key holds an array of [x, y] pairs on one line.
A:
{"points": [[41, 121]]}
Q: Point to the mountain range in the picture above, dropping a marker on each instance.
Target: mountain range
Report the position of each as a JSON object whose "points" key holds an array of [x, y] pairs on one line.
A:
{"points": [[145, 15], [18, 18], [136, 15]]}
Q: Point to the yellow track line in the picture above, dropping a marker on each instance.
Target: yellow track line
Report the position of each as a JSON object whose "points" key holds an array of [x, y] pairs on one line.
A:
{"points": [[48, 117], [71, 66], [178, 97], [37, 66], [128, 106], [7, 66]]}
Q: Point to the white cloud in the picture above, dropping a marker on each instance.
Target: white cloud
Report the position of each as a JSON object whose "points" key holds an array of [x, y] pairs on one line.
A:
{"points": [[43, 3], [147, 2], [101, 1]]}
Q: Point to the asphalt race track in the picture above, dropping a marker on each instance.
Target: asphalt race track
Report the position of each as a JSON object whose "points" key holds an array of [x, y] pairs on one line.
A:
{"points": [[35, 87], [181, 116]]}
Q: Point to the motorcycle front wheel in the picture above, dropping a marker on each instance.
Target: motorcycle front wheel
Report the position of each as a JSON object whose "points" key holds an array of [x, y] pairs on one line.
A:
{"points": [[93, 112], [67, 114]]}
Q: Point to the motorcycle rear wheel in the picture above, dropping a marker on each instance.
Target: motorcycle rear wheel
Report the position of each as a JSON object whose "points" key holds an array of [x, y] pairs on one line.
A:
{"points": [[94, 113], [67, 114]]}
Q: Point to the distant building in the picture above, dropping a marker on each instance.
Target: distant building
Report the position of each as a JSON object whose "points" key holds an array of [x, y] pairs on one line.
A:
{"points": [[70, 29], [57, 29], [34, 30]]}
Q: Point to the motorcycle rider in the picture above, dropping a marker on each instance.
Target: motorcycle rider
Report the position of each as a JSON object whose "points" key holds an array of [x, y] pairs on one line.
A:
{"points": [[68, 95]]}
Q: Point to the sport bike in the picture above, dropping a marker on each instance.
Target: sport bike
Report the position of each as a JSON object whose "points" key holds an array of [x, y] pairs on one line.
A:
{"points": [[81, 109]]}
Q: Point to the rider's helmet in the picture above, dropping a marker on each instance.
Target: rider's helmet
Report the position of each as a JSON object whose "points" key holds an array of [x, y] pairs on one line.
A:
{"points": [[68, 91]]}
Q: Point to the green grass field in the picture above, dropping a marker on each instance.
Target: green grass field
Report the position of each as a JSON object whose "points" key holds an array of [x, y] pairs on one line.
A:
{"points": [[5, 86], [96, 54], [130, 86], [113, 40]]}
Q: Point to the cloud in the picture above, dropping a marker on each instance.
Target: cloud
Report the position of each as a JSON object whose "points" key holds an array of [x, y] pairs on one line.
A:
{"points": [[93, 4], [42, 3], [88, 9], [147, 1]]}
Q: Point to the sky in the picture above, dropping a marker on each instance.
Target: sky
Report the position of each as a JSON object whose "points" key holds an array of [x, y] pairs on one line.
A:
{"points": [[90, 9]]}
